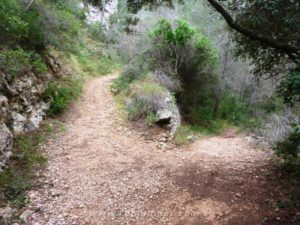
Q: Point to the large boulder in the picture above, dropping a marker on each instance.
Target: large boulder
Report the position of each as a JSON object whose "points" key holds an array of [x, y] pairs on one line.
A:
{"points": [[37, 115], [168, 113], [6, 140], [23, 101], [17, 122], [160, 102]]}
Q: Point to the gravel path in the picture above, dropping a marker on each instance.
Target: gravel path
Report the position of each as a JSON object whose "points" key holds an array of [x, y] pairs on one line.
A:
{"points": [[101, 171]]}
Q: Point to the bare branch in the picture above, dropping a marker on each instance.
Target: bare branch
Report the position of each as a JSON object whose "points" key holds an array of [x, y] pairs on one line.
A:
{"points": [[29, 5]]}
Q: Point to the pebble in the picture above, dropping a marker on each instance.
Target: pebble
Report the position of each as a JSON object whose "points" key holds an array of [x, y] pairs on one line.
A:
{"points": [[25, 215]]}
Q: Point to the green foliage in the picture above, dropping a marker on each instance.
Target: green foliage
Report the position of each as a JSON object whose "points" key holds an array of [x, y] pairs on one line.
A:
{"points": [[289, 150], [256, 16], [90, 58], [13, 187], [164, 29], [234, 109], [180, 35], [135, 6], [15, 62], [59, 24], [183, 135], [289, 203], [46, 23], [291, 146], [94, 65], [206, 52], [61, 94], [136, 109], [183, 32], [129, 74], [12, 26], [150, 88], [151, 119], [96, 32], [19, 177], [273, 104], [289, 88], [119, 84]]}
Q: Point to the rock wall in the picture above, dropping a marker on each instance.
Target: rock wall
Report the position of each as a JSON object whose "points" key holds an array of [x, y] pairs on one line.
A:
{"points": [[22, 106]]}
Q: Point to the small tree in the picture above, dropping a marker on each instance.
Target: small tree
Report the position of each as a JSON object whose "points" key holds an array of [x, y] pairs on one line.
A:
{"points": [[190, 57]]}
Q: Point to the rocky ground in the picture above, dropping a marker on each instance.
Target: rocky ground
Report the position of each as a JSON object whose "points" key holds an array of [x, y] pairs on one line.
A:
{"points": [[23, 105], [102, 171]]}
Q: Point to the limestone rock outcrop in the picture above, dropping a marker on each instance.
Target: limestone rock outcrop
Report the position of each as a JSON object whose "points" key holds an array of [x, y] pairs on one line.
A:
{"points": [[22, 104]]}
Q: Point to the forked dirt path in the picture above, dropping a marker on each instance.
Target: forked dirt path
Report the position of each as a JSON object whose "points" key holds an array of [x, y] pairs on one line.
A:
{"points": [[101, 171]]}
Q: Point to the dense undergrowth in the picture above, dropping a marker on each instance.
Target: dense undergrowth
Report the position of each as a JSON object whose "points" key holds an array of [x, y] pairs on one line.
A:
{"points": [[193, 83]]}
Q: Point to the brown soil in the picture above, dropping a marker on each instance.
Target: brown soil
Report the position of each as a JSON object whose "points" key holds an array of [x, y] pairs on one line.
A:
{"points": [[102, 171]]}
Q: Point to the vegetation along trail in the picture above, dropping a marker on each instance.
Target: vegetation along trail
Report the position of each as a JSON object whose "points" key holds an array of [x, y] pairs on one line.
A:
{"points": [[101, 171], [139, 112]]}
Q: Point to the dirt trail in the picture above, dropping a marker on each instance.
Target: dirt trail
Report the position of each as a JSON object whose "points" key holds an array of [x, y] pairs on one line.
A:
{"points": [[101, 171]]}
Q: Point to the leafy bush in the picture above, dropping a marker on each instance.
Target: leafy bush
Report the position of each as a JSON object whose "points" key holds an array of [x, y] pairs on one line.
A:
{"points": [[145, 97], [289, 150], [291, 146], [61, 94], [96, 31], [13, 187], [151, 118], [12, 26], [289, 88], [49, 23], [136, 109], [194, 61], [234, 109], [15, 62], [59, 24], [182, 33], [119, 84], [183, 135], [130, 73]]}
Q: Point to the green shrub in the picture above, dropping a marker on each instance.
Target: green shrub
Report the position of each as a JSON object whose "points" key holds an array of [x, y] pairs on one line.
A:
{"points": [[136, 109], [50, 23], [15, 62], [95, 65], [13, 187], [96, 32], [12, 26], [182, 33], [61, 94], [234, 109], [289, 88], [289, 150], [119, 84], [149, 89], [291, 146], [151, 119], [129, 74], [194, 60], [183, 135], [59, 24]]}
